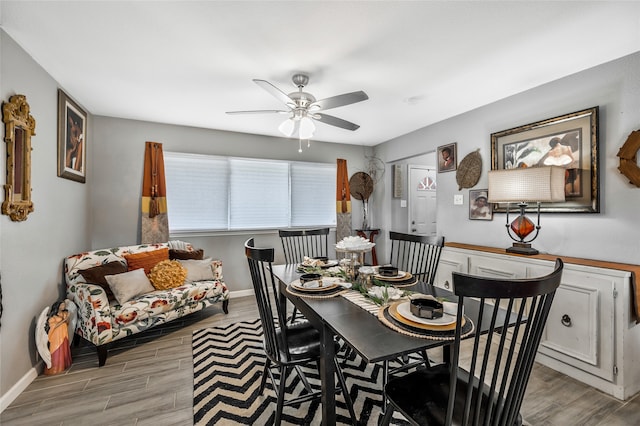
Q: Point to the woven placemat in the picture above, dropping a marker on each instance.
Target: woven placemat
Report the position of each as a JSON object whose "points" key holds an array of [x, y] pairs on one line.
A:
{"points": [[387, 319], [317, 294]]}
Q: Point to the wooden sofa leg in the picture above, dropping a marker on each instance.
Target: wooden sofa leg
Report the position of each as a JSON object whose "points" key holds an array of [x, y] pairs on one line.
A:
{"points": [[225, 306], [102, 354]]}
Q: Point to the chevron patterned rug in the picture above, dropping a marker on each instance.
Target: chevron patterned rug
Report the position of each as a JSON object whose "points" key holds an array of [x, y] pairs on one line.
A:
{"points": [[227, 369]]}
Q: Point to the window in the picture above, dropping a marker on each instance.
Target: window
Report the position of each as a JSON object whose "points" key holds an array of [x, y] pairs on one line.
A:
{"points": [[212, 193]]}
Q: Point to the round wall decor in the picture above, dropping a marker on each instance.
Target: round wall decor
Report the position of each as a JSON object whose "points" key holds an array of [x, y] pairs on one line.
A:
{"points": [[469, 170], [628, 158], [361, 186]]}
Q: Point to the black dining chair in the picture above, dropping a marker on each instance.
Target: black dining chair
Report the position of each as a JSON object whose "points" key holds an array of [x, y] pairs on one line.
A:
{"points": [[287, 346], [484, 383], [419, 255], [298, 243]]}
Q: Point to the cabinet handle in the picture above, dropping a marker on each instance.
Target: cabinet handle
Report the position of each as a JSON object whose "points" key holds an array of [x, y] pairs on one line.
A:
{"points": [[566, 320], [446, 284]]}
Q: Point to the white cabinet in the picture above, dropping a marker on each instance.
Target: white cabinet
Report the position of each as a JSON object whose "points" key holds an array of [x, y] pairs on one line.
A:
{"points": [[591, 334]]}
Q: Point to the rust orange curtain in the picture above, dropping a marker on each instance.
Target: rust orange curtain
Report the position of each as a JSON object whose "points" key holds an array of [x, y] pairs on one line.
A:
{"points": [[343, 196], [343, 201], [155, 226]]}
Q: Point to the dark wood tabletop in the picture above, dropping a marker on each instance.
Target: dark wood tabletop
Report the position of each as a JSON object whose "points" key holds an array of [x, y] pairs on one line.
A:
{"points": [[364, 332]]}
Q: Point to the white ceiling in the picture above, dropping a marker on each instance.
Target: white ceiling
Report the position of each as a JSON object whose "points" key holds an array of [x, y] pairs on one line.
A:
{"points": [[420, 62]]}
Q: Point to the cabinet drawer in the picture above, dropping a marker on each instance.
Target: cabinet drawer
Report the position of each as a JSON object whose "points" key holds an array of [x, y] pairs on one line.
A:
{"points": [[496, 268]]}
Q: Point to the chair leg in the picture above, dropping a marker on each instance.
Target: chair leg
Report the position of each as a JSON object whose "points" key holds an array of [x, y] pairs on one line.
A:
{"points": [[387, 416], [303, 378], [385, 379], [345, 392], [293, 315], [265, 372], [281, 389], [427, 361]]}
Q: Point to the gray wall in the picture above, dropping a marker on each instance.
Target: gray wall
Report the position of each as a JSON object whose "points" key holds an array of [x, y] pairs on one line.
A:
{"points": [[612, 235], [32, 251]]}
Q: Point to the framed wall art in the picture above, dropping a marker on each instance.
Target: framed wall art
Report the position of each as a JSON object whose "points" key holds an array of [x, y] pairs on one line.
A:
{"points": [[72, 142], [479, 206], [447, 158], [569, 141]]}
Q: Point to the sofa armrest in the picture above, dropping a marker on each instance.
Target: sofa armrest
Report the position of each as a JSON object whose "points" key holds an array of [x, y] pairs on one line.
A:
{"points": [[94, 313]]}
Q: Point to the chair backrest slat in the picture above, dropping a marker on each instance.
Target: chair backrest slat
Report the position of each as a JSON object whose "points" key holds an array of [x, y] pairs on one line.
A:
{"points": [[417, 254], [501, 358], [298, 243]]}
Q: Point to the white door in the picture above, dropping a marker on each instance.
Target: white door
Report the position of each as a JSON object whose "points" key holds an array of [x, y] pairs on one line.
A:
{"points": [[422, 200]]}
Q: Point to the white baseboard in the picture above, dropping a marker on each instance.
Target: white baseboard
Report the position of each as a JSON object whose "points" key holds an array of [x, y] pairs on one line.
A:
{"points": [[240, 293], [15, 391]]}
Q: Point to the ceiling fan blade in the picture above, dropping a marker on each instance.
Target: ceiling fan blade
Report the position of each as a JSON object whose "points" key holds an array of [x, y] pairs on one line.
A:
{"points": [[335, 121], [259, 111], [279, 94], [340, 100]]}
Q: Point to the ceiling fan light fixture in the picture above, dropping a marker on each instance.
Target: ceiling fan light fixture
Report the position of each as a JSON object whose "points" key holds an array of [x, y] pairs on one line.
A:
{"points": [[286, 128], [307, 128]]}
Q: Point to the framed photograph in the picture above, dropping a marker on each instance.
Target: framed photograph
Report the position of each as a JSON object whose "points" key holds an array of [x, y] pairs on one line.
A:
{"points": [[72, 143], [447, 158], [569, 141], [479, 206]]}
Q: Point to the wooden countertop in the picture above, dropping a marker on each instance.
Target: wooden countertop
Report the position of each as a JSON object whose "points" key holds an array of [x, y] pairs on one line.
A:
{"points": [[634, 269]]}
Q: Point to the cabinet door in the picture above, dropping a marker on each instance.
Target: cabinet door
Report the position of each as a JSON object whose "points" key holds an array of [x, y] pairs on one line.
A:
{"points": [[450, 262], [580, 327]]}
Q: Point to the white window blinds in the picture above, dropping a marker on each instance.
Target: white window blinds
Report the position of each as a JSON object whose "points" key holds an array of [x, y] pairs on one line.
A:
{"points": [[209, 193]]}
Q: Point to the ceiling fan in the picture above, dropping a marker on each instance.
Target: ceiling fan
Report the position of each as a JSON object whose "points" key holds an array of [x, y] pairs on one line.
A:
{"points": [[303, 108]]}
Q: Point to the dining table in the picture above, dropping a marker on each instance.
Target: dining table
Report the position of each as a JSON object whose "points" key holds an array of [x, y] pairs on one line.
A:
{"points": [[364, 332]]}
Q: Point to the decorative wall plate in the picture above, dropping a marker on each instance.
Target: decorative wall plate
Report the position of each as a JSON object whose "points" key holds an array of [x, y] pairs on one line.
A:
{"points": [[628, 158], [469, 170]]}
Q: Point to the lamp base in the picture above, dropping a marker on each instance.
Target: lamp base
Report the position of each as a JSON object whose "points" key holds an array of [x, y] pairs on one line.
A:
{"points": [[522, 248]]}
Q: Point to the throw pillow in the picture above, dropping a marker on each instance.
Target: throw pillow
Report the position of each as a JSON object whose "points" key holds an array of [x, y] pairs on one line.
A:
{"points": [[186, 254], [146, 260], [198, 270], [167, 274], [96, 275], [128, 285]]}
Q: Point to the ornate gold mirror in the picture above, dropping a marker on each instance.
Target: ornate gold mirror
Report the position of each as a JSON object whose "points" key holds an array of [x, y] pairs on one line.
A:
{"points": [[19, 126]]}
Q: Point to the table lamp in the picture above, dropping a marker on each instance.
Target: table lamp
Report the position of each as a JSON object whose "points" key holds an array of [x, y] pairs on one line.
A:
{"points": [[522, 186]]}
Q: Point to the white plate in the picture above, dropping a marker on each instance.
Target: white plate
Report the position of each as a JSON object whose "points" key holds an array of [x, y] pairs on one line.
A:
{"points": [[328, 283], [405, 311], [401, 274], [329, 264]]}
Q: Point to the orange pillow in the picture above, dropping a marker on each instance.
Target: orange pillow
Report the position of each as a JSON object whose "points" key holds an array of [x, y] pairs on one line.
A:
{"points": [[146, 260]]}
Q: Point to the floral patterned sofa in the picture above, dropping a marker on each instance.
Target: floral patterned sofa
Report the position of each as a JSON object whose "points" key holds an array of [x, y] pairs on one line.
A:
{"points": [[102, 321]]}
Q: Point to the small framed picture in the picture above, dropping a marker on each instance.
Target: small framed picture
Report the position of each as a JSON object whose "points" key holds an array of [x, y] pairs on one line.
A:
{"points": [[447, 158], [72, 143], [479, 206]]}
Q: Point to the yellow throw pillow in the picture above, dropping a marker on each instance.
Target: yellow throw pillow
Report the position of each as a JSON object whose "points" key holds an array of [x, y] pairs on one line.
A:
{"points": [[167, 274]]}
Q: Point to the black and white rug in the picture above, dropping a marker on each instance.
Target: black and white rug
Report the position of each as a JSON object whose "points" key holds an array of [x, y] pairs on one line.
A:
{"points": [[227, 369]]}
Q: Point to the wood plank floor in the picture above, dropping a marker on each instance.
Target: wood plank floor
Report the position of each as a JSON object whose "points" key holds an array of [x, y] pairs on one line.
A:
{"points": [[148, 380]]}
